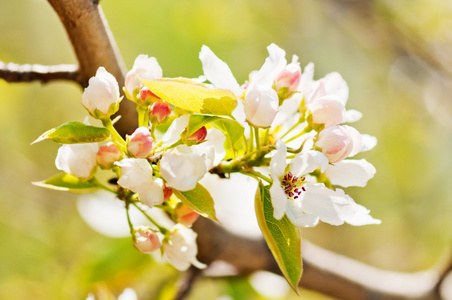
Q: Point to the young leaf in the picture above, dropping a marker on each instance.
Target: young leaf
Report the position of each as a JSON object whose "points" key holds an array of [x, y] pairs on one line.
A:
{"points": [[75, 132], [68, 183], [193, 96], [282, 237], [199, 200]]}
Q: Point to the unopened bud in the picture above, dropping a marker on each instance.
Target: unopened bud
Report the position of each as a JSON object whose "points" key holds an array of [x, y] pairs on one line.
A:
{"points": [[286, 83], [107, 155], [199, 135], [185, 215], [145, 240], [146, 97], [159, 112], [167, 193], [139, 144], [339, 142]]}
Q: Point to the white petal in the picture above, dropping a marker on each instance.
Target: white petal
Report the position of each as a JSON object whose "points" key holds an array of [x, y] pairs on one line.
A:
{"points": [[307, 162], [356, 139], [335, 84], [128, 294], [279, 200], [172, 135], [213, 147], [299, 218], [307, 82], [352, 115], [351, 172], [153, 195], [278, 160], [273, 65], [218, 72], [361, 217], [368, 142]]}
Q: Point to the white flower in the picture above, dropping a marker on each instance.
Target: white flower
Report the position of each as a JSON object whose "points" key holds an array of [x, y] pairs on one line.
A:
{"points": [[325, 108], [181, 168], [144, 67], [136, 175], [261, 106], [101, 97], [181, 249], [274, 64], [305, 202], [339, 142], [77, 159], [212, 147]]}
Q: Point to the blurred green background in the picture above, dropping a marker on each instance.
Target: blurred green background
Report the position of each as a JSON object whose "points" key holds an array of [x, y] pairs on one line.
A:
{"points": [[395, 56]]}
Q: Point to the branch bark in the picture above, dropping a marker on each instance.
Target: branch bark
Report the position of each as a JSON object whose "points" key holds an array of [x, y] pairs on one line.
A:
{"points": [[27, 73]]}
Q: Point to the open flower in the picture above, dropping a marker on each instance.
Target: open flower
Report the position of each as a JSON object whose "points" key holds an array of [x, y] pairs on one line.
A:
{"points": [[144, 67], [304, 201], [339, 142], [180, 248], [101, 97], [77, 159], [136, 175]]}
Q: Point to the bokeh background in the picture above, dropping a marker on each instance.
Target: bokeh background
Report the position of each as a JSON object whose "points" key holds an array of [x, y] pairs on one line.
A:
{"points": [[395, 55]]}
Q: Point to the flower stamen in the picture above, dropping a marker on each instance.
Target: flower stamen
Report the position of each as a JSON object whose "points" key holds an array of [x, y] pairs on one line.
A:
{"points": [[291, 185]]}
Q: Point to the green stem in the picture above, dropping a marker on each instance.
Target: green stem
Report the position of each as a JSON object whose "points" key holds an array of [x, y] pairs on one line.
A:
{"points": [[116, 137], [306, 130], [143, 116], [162, 229], [291, 128], [256, 175], [256, 136], [251, 147], [267, 132], [129, 221]]}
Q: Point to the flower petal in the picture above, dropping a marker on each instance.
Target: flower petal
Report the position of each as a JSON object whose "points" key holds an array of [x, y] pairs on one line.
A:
{"points": [[361, 217], [351, 172], [278, 160], [272, 66], [351, 116], [279, 200], [368, 142], [307, 162], [299, 218], [172, 135]]}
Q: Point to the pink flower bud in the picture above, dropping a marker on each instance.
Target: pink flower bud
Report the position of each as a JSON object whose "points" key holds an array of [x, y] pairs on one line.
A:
{"points": [[107, 155], [261, 106], [167, 193], [185, 215], [139, 144], [327, 110], [339, 142], [146, 97], [160, 111], [145, 240], [199, 136], [288, 79]]}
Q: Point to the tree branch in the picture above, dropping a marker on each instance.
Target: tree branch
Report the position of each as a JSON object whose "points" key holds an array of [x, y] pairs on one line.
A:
{"points": [[27, 73]]}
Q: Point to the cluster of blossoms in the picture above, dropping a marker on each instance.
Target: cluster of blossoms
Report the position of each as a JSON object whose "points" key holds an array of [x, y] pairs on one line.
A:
{"points": [[281, 127]]}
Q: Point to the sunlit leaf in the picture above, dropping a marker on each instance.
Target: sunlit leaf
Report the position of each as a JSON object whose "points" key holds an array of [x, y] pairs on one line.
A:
{"points": [[282, 237], [199, 200], [193, 96], [68, 183], [75, 132]]}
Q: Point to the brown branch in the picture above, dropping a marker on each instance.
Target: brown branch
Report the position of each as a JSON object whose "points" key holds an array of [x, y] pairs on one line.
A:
{"points": [[27, 73]]}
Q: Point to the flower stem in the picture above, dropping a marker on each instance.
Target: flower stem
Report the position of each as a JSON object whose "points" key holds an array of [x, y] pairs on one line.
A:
{"points": [[256, 136], [143, 116], [256, 175], [162, 229], [116, 137], [129, 221], [305, 130]]}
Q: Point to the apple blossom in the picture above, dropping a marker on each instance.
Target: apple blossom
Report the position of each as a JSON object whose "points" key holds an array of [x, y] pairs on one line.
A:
{"points": [[198, 136], [180, 248], [136, 175], [107, 155], [146, 97], [184, 215], [339, 142], [182, 168], [286, 83], [159, 112], [139, 144], [101, 97], [261, 106], [145, 240], [77, 159], [144, 67]]}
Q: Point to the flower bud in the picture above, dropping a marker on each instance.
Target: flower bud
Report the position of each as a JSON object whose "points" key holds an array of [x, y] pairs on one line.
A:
{"points": [[327, 110], [139, 144], [145, 240], [197, 137], [77, 159], [261, 106], [101, 97], [144, 67], [286, 83], [167, 193], [339, 142], [107, 155], [146, 97], [159, 112], [185, 215]]}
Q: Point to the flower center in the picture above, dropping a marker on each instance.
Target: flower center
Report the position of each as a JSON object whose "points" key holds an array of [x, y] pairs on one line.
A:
{"points": [[292, 185]]}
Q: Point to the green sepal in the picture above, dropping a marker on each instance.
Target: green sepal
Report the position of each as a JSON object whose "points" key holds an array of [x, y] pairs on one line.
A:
{"points": [[282, 237], [198, 200], [69, 183], [193, 96], [75, 132]]}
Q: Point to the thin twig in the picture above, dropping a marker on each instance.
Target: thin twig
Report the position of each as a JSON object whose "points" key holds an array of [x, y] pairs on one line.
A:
{"points": [[186, 283], [27, 73]]}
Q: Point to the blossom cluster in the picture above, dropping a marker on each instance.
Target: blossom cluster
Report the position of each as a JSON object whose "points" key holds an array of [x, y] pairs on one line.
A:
{"points": [[281, 127]]}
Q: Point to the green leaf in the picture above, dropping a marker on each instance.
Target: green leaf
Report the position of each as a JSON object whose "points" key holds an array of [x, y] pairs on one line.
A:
{"points": [[68, 183], [199, 200], [193, 96], [75, 132], [282, 237]]}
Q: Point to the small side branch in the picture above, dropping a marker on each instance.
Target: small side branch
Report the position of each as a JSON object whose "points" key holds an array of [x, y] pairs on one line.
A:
{"points": [[26, 73]]}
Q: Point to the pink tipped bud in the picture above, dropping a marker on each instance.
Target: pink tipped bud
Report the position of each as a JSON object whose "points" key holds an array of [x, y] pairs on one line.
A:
{"points": [[107, 155], [139, 144], [167, 193], [160, 111], [199, 136], [286, 83], [339, 142], [145, 240], [146, 97], [185, 215]]}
